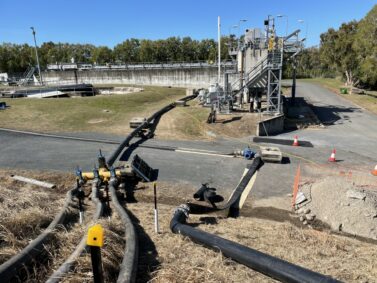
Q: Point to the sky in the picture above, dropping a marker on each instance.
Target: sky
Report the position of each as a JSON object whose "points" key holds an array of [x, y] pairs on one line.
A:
{"points": [[112, 21]]}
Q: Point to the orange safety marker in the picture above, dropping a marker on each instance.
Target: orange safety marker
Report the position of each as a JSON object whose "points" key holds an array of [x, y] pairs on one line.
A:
{"points": [[332, 156], [295, 186], [374, 172], [295, 142]]}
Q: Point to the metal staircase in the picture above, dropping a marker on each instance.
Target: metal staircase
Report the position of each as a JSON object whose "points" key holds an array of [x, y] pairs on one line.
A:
{"points": [[266, 73], [256, 77], [27, 76]]}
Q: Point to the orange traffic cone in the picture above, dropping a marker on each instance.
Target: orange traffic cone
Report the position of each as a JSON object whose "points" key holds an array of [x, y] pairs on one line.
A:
{"points": [[374, 172], [295, 141], [332, 156]]}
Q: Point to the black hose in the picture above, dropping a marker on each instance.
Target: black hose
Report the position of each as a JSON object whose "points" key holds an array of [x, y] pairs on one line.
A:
{"points": [[24, 258], [9, 269], [128, 267], [125, 143], [271, 266], [71, 261]]}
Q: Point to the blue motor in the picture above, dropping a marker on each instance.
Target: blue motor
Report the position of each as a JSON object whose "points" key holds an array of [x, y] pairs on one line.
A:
{"points": [[247, 153]]}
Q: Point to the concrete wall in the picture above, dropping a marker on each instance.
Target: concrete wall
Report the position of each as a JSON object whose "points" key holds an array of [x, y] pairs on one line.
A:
{"points": [[183, 77], [271, 126]]}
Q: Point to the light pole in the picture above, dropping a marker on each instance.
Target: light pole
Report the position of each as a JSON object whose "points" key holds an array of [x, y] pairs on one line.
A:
{"points": [[286, 27], [230, 36], [306, 28], [239, 25], [36, 55], [230, 29]]}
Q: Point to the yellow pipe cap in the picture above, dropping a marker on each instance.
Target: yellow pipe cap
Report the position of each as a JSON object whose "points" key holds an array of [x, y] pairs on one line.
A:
{"points": [[95, 236]]}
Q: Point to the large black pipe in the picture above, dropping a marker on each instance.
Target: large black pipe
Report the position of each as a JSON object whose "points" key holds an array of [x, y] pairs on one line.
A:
{"points": [[271, 266], [232, 203], [128, 267]]}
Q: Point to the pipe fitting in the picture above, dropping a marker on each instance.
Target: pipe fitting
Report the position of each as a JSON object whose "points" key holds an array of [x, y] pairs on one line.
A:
{"points": [[180, 216]]}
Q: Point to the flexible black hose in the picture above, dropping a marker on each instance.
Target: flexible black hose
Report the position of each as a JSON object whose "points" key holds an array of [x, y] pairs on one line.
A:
{"points": [[71, 261], [128, 267], [125, 143], [9, 269], [271, 266]]}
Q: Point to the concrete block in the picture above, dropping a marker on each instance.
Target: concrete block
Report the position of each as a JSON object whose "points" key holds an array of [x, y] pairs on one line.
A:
{"points": [[136, 122], [181, 103], [271, 154]]}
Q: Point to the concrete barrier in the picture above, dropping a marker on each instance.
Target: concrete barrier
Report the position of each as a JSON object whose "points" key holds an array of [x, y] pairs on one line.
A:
{"points": [[271, 126], [180, 77]]}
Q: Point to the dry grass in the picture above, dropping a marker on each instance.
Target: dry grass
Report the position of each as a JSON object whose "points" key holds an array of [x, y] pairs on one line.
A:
{"points": [[174, 258], [25, 210], [167, 257], [191, 123], [112, 254]]}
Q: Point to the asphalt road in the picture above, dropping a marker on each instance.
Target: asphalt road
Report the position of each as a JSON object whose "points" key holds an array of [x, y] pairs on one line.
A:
{"points": [[349, 129], [33, 152]]}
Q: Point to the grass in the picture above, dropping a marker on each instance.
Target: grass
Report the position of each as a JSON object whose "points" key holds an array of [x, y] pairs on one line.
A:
{"points": [[109, 114], [175, 258], [191, 123], [26, 210], [368, 102], [168, 257]]}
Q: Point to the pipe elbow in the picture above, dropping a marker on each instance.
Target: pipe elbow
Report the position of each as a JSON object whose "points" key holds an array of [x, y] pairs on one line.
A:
{"points": [[180, 216]]}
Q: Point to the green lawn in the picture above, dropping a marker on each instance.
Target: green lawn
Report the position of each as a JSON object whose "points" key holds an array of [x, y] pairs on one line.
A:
{"points": [[110, 114], [366, 101]]}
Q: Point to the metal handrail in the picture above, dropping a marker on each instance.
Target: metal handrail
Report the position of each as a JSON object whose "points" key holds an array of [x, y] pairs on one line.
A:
{"points": [[259, 67]]}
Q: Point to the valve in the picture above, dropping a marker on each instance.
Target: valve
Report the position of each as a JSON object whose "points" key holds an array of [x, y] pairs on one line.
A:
{"points": [[101, 160], [79, 178]]}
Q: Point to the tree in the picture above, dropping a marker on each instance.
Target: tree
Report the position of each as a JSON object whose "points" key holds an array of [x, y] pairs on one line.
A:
{"points": [[365, 45], [146, 53], [102, 55], [337, 51], [127, 51]]}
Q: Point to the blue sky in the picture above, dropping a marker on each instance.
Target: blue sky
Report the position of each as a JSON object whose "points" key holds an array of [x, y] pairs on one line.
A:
{"points": [[112, 21]]}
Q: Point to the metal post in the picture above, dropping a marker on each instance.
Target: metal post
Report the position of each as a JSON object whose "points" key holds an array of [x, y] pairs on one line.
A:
{"points": [[286, 27], [95, 253], [156, 226], [81, 207], [219, 49], [95, 242], [36, 55], [293, 98]]}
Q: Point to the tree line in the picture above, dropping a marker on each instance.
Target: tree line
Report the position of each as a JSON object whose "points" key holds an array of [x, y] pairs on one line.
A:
{"points": [[17, 57], [349, 52]]}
